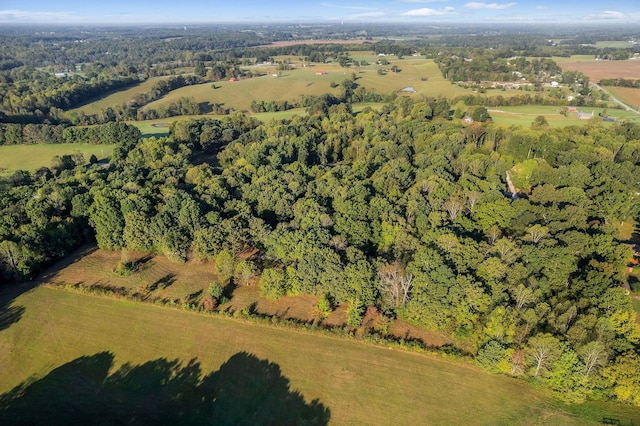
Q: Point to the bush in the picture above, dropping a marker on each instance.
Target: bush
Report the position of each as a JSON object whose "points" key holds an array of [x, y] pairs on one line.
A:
{"points": [[215, 290], [210, 303], [324, 306]]}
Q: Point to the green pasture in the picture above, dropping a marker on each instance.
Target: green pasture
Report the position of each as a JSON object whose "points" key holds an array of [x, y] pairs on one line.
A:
{"points": [[78, 355], [115, 97], [614, 44], [292, 84], [573, 58], [525, 115], [32, 157]]}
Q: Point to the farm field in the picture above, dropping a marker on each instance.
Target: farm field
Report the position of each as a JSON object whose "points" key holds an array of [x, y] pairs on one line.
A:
{"points": [[597, 70], [627, 95], [32, 157], [66, 346], [525, 115], [292, 84], [573, 58]]}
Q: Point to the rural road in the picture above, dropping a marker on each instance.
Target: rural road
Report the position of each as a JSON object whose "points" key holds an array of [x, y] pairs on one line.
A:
{"points": [[619, 102]]}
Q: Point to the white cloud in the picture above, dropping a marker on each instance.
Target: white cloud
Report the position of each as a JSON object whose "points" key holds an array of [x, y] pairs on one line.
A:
{"points": [[425, 11], [541, 7], [494, 6], [422, 1], [365, 15], [29, 16], [340, 6], [608, 14]]}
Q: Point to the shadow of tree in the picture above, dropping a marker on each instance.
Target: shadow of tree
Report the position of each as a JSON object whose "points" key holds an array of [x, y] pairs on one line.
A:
{"points": [[10, 314], [164, 282], [244, 391]]}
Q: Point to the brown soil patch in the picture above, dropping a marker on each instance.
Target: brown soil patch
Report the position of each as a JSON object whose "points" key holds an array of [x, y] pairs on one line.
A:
{"points": [[597, 70]]}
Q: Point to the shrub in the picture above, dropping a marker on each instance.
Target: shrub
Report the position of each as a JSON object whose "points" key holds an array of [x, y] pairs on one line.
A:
{"points": [[210, 303], [215, 290], [324, 306]]}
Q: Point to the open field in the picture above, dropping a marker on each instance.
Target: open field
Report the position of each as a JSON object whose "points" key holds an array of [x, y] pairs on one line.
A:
{"points": [[292, 84], [560, 60], [66, 344], [176, 282], [615, 44], [319, 41], [32, 157], [597, 70], [114, 98], [525, 115], [627, 95]]}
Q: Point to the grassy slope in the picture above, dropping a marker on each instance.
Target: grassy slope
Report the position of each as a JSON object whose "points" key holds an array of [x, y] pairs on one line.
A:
{"points": [[300, 81], [359, 383], [115, 97], [31, 157]]}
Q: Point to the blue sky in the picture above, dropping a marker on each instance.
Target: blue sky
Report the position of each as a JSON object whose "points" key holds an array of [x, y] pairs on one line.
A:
{"points": [[418, 11]]}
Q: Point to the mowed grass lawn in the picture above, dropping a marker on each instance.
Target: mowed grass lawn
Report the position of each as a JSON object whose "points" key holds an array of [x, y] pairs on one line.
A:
{"points": [[32, 157], [357, 382], [525, 115]]}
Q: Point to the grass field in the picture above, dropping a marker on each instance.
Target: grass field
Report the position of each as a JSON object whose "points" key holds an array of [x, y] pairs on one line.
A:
{"points": [[574, 58], [115, 97], [615, 44], [627, 95], [70, 349], [292, 84], [31, 157], [525, 115]]}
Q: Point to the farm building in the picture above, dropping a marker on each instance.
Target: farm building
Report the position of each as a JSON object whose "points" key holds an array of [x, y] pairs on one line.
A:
{"points": [[584, 115], [233, 79], [409, 89], [321, 72]]}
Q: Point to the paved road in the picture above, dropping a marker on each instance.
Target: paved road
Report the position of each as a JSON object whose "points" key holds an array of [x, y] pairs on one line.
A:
{"points": [[619, 102]]}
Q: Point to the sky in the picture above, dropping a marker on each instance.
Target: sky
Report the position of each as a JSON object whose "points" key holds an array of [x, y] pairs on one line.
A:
{"points": [[301, 11]]}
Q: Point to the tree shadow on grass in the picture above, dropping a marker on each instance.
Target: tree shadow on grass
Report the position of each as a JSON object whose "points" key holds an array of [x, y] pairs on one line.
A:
{"points": [[10, 314], [245, 390]]}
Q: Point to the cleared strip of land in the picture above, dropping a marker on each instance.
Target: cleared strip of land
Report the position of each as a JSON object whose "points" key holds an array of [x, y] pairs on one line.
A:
{"points": [[359, 383], [32, 157]]}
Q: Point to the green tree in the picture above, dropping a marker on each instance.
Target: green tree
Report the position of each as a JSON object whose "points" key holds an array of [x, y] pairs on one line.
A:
{"points": [[272, 284], [244, 273], [225, 265], [623, 376]]}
